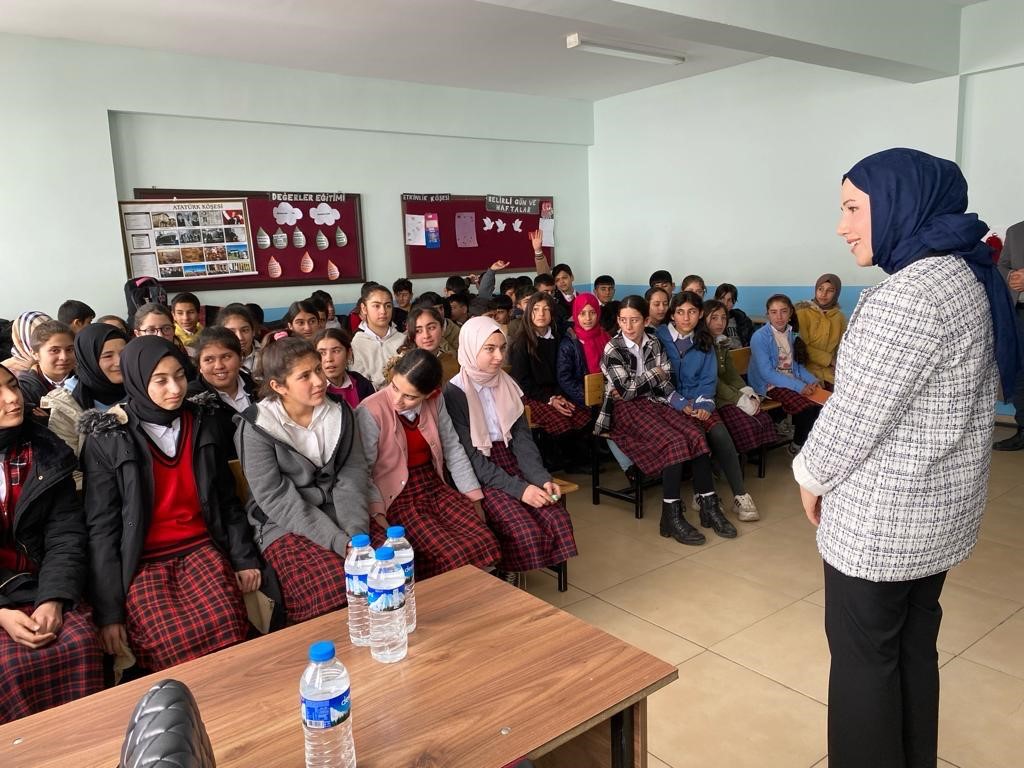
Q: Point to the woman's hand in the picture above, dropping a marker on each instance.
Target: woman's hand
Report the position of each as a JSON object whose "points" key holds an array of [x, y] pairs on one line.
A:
{"points": [[50, 617], [536, 239], [500, 265], [113, 638], [700, 414], [561, 405], [552, 489], [809, 390], [24, 630], [812, 506], [248, 580], [536, 497]]}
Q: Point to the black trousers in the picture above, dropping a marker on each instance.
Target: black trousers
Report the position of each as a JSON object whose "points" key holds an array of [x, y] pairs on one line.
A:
{"points": [[883, 688]]}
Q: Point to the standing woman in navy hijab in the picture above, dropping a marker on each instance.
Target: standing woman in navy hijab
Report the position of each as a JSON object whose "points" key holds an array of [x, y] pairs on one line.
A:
{"points": [[895, 471]]}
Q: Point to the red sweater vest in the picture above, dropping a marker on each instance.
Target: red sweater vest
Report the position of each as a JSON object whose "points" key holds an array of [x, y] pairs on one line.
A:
{"points": [[17, 469], [177, 522], [419, 449]]}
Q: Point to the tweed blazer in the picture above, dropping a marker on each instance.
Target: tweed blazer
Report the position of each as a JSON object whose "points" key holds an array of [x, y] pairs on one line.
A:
{"points": [[901, 451]]}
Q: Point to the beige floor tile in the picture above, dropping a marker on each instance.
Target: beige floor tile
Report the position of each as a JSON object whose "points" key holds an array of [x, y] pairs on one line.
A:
{"points": [[944, 658], [788, 647], [653, 762], [994, 568], [653, 639], [607, 558], [701, 604], [981, 716], [775, 558], [544, 585], [694, 721], [968, 614], [818, 598], [1002, 648], [1004, 522], [941, 764]]}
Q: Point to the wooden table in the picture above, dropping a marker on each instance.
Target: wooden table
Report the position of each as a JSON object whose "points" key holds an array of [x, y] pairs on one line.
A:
{"points": [[493, 674]]}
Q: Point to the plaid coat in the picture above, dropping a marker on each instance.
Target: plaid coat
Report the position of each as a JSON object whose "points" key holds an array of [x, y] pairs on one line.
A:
{"points": [[619, 368], [901, 451]]}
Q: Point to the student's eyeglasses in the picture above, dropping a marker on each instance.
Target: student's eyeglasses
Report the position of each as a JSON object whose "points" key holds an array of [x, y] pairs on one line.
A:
{"points": [[163, 330]]}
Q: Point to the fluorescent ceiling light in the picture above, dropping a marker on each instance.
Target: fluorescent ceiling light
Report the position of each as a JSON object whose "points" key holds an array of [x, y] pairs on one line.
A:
{"points": [[575, 41]]}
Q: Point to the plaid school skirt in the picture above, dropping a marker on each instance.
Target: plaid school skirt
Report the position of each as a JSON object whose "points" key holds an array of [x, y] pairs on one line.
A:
{"points": [[65, 670], [791, 402], [545, 418], [183, 608], [748, 432], [442, 525], [529, 538], [312, 578], [655, 435]]}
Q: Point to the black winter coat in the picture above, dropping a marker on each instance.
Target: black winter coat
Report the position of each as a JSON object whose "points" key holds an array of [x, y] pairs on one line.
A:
{"points": [[537, 376], [49, 528], [205, 396], [118, 487]]}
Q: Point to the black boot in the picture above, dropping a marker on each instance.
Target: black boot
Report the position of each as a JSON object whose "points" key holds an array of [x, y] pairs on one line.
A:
{"points": [[711, 516], [674, 525], [1014, 443]]}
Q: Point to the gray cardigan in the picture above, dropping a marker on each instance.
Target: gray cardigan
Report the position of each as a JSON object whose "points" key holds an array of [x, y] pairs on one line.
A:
{"points": [[901, 450], [521, 444], [289, 494]]}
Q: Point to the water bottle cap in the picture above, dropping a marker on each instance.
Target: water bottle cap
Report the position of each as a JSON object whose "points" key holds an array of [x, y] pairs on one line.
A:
{"points": [[361, 540], [385, 553], [396, 532], [321, 651]]}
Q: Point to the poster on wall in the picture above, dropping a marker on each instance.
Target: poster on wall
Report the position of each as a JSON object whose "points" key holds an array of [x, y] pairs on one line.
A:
{"points": [[294, 238], [187, 239]]}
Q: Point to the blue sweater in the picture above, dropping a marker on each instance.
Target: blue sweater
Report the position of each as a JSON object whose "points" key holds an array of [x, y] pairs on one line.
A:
{"points": [[572, 367], [695, 373], [764, 360]]}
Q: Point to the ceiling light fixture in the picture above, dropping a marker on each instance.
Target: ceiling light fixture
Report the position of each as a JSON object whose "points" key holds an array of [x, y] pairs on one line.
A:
{"points": [[576, 42]]}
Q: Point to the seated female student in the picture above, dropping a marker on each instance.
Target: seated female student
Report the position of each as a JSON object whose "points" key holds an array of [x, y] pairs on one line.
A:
{"points": [[378, 340], [691, 350], [335, 348], [170, 550], [222, 385], [777, 371], [21, 359], [520, 500], [534, 358], [156, 320], [740, 327], [749, 426], [53, 350], [48, 649], [822, 324], [304, 461], [655, 434], [657, 300], [409, 439], [302, 320], [426, 331], [98, 382], [237, 319]]}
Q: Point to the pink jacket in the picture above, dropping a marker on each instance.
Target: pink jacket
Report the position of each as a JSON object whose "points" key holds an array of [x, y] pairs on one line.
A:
{"points": [[387, 452]]}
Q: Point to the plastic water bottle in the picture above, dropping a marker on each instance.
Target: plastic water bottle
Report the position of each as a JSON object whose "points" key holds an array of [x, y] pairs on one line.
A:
{"points": [[404, 557], [389, 640], [326, 710], [357, 568]]}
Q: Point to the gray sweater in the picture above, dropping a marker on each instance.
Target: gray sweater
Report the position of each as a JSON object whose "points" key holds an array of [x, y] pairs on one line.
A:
{"points": [[290, 494], [521, 444]]}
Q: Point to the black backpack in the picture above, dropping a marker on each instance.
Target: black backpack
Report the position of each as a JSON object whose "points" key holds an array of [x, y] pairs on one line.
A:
{"points": [[143, 290]]}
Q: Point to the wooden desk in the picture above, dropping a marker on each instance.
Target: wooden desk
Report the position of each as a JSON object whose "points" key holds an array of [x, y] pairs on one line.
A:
{"points": [[492, 674]]}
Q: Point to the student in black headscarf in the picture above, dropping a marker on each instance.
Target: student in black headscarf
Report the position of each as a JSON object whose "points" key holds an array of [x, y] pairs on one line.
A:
{"points": [[48, 649], [170, 547]]}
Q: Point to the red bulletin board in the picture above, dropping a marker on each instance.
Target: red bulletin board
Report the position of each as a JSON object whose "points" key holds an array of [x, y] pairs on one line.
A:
{"points": [[507, 241], [294, 237]]}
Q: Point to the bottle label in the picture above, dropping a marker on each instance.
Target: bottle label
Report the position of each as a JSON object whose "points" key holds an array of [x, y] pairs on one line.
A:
{"points": [[325, 713], [382, 600], [410, 572], [355, 583]]}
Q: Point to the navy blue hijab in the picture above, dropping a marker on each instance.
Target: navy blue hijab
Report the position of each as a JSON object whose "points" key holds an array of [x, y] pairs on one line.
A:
{"points": [[918, 209]]}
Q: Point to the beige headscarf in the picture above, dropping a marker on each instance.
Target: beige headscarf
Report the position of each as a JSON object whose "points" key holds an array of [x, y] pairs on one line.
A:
{"points": [[508, 397], [21, 359]]}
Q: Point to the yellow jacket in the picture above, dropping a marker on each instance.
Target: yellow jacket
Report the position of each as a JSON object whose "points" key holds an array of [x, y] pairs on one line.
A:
{"points": [[821, 331]]}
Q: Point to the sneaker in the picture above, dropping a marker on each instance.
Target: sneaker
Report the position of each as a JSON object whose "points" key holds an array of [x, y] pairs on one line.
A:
{"points": [[793, 449], [696, 503], [743, 506]]}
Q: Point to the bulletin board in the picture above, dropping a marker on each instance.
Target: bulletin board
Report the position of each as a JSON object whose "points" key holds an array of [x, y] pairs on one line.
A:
{"points": [[462, 234], [293, 238]]}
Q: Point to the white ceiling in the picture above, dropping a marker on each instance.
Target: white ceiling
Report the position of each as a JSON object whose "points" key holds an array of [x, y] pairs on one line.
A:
{"points": [[460, 43]]}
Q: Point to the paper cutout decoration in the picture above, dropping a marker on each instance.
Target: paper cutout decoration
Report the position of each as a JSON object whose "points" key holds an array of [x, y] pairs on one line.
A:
{"points": [[433, 231], [280, 239], [321, 240], [340, 237], [306, 265], [517, 225], [286, 213], [415, 229], [325, 214], [500, 224], [273, 268], [332, 270], [547, 232], [488, 224], [298, 239], [262, 239], [465, 230]]}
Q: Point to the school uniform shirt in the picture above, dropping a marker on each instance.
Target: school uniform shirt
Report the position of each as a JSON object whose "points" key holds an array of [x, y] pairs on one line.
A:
{"points": [[165, 437], [240, 400], [317, 441]]}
